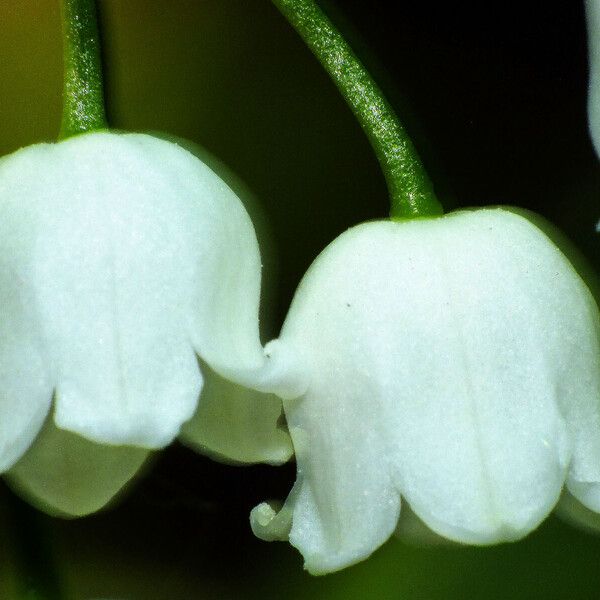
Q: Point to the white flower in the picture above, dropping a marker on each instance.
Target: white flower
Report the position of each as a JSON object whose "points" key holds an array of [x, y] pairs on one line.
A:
{"points": [[453, 361], [122, 259], [593, 26]]}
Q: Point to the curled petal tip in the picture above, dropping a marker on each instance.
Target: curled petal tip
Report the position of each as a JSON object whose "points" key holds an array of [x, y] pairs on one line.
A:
{"points": [[270, 521], [285, 373]]}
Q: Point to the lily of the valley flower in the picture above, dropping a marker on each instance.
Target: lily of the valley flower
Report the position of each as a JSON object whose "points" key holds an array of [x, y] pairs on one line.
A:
{"points": [[451, 361], [122, 259]]}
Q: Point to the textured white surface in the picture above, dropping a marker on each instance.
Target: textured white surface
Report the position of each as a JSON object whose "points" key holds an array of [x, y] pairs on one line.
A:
{"points": [[453, 361], [121, 256], [593, 25]]}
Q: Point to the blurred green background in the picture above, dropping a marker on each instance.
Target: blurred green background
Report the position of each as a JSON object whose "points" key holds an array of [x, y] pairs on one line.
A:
{"points": [[494, 96]]}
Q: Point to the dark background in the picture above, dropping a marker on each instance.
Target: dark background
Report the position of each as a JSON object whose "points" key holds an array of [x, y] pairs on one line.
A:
{"points": [[494, 97]]}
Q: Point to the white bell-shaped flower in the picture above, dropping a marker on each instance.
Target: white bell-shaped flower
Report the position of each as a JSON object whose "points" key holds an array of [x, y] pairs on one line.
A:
{"points": [[123, 258], [451, 361]]}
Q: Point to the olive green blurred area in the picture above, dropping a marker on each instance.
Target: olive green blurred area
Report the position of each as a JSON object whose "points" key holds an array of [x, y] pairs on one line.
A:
{"points": [[494, 97]]}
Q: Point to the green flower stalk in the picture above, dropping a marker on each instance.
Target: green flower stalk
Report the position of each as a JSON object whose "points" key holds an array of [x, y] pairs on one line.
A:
{"points": [[411, 191], [83, 107]]}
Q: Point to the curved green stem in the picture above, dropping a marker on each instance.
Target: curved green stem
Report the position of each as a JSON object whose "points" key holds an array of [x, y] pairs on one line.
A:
{"points": [[83, 103], [411, 191]]}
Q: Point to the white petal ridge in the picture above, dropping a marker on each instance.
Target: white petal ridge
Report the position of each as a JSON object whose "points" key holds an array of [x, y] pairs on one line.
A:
{"points": [[122, 256], [446, 366]]}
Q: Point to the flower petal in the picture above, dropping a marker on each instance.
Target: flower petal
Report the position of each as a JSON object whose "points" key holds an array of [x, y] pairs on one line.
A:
{"points": [[582, 413], [583, 479], [345, 503], [436, 360], [66, 475], [237, 424], [25, 383]]}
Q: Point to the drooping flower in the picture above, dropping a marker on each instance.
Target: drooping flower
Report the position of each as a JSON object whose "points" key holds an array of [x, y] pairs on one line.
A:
{"points": [[450, 361], [122, 259]]}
